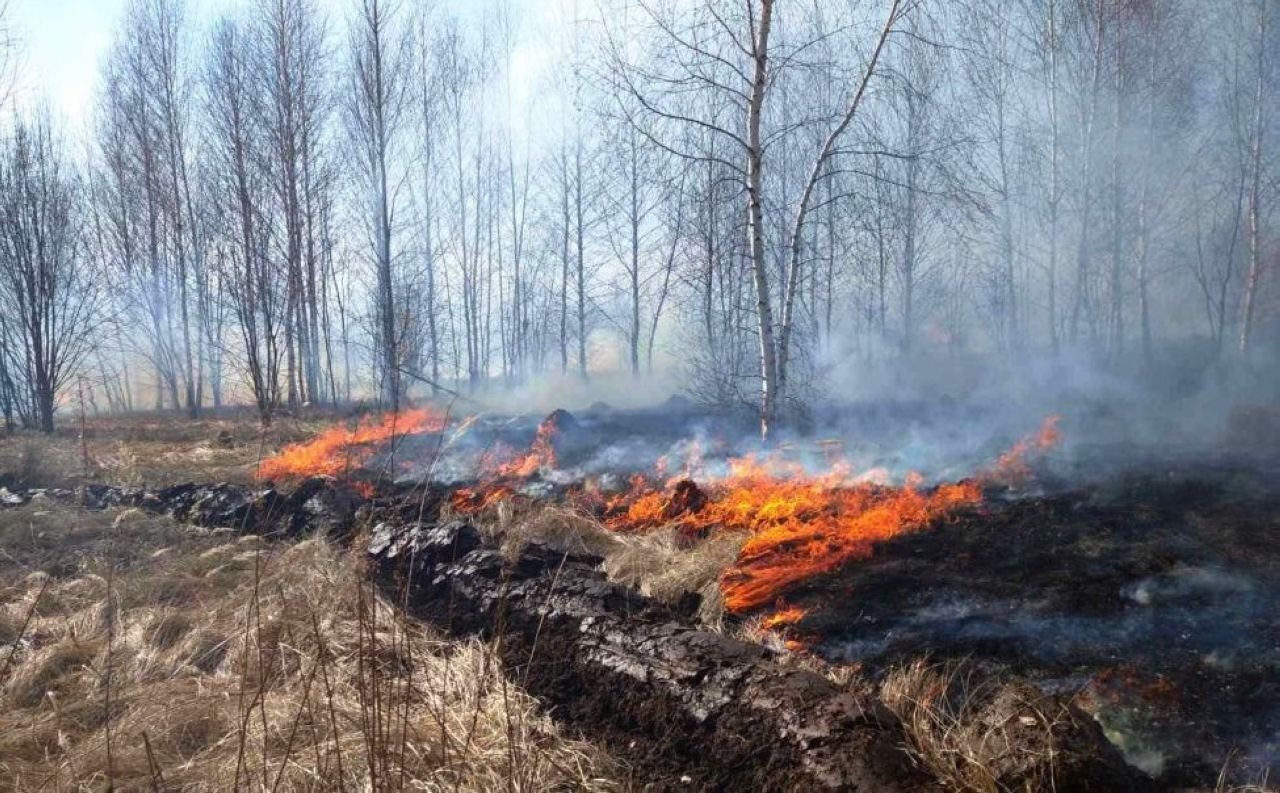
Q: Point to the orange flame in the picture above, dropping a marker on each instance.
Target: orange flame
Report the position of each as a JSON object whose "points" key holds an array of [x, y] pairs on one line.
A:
{"points": [[469, 500], [801, 529], [542, 454], [784, 617], [341, 449], [801, 525], [798, 524], [1012, 468]]}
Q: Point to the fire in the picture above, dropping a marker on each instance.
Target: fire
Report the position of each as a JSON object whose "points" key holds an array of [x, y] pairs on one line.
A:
{"points": [[644, 507], [801, 529], [785, 616], [340, 449], [1012, 467], [542, 453], [779, 620], [801, 525], [797, 524], [469, 500]]}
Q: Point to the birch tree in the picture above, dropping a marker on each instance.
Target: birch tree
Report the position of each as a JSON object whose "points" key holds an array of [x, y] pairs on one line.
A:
{"points": [[742, 66]]}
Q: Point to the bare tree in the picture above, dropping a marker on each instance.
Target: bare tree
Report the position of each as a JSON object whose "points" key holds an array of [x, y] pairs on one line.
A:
{"points": [[376, 111], [49, 294], [780, 187], [1263, 43], [292, 64], [236, 138]]}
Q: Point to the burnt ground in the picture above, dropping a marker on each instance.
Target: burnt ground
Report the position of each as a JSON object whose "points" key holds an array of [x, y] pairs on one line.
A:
{"points": [[1151, 598]]}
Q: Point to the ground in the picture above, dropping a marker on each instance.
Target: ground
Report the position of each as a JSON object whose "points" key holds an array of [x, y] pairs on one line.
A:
{"points": [[224, 658]]}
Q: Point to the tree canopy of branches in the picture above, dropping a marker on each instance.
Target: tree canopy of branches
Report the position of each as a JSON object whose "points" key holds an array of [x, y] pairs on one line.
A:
{"points": [[49, 292], [300, 202]]}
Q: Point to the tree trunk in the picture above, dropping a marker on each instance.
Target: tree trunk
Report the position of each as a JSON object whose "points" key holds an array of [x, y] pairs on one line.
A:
{"points": [[755, 224], [580, 249], [1253, 278]]}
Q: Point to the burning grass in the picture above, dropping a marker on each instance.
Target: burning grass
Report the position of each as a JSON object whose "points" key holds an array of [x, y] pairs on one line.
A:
{"points": [[796, 525], [225, 662], [784, 524], [339, 450]]}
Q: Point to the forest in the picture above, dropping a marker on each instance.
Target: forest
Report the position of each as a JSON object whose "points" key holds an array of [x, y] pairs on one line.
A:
{"points": [[296, 202]]}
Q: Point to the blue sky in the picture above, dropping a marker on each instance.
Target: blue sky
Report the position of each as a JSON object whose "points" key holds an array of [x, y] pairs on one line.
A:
{"points": [[61, 42]]}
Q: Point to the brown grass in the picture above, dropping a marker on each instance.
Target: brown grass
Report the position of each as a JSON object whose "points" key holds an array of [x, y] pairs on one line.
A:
{"points": [[934, 704], [1261, 780], [1223, 786], [951, 737], [662, 566], [659, 564], [150, 449], [230, 663]]}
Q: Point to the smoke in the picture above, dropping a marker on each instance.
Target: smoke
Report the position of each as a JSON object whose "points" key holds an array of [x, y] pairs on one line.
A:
{"points": [[540, 394], [944, 413], [942, 418]]}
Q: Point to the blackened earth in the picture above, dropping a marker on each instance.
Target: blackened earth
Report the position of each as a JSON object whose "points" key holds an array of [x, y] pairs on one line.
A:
{"points": [[1154, 599]]}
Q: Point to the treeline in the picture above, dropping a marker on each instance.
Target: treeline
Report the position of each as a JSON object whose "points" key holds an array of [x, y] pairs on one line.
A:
{"points": [[286, 207]]}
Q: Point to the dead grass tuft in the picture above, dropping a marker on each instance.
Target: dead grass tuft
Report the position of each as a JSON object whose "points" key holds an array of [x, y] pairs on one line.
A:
{"points": [[1229, 778], [661, 565], [57, 670], [965, 738], [558, 526]]}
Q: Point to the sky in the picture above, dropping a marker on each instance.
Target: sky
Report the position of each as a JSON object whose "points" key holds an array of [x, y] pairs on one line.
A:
{"points": [[62, 44]]}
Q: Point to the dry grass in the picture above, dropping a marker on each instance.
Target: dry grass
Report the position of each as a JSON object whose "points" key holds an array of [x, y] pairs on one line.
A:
{"points": [[934, 704], [1261, 784], [1226, 787], [149, 449], [225, 662], [952, 736], [662, 566], [659, 564]]}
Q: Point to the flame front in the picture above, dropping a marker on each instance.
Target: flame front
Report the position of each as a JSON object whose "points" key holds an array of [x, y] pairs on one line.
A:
{"points": [[340, 449], [797, 524], [815, 531], [785, 616]]}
